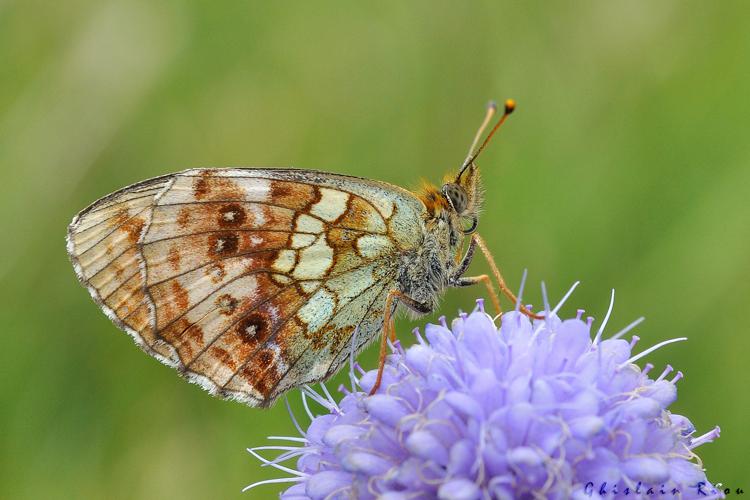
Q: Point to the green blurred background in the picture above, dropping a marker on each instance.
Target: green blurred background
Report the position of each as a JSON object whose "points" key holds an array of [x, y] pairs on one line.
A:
{"points": [[625, 166]]}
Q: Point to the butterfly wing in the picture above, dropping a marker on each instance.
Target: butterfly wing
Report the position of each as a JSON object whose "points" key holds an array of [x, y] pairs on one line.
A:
{"points": [[248, 281]]}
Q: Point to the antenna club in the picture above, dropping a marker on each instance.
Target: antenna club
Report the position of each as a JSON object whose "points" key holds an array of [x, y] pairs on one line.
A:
{"points": [[492, 105], [510, 105]]}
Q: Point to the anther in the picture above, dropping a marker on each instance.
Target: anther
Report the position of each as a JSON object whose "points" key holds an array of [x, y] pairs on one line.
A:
{"points": [[705, 438], [666, 372], [480, 305], [396, 348]]}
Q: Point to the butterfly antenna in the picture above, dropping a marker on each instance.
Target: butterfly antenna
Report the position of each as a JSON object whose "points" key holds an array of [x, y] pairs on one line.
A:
{"points": [[491, 110], [510, 106]]}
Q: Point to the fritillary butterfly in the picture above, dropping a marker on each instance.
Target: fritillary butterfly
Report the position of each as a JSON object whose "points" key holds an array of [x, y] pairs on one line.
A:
{"points": [[252, 281]]}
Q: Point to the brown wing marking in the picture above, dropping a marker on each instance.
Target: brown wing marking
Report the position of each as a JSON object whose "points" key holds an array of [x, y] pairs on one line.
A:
{"points": [[207, 185], [226, 353], [260, 331], [169, 262], [170, 221], [313, 331], [340, 206], [384, 197], [197, 286], [192, 334], [294, 357]]}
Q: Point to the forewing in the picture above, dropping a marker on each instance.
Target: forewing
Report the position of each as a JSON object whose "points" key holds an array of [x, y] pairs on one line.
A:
{"points": [[248, 281]]}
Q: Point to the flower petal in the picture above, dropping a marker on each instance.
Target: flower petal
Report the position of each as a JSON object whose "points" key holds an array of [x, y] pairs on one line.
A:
{"points": [[323, 484], [458, 489], [650, 470], [365, 463], [387, 409], [426, 446]]}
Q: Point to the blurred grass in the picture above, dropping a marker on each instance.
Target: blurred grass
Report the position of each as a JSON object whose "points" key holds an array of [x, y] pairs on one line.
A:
{"points": [[625, 166]]}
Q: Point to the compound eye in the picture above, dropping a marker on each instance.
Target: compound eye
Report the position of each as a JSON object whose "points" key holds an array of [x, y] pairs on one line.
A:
{"points": [[457, 197]]}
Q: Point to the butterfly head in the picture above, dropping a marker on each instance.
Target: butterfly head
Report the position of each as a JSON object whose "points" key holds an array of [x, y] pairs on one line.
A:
{"points": [[464, 194], [463, 197], [458, 202]]}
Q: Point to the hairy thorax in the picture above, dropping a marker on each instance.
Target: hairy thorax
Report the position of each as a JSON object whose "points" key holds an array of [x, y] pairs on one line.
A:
{"points": [[425, 272]]}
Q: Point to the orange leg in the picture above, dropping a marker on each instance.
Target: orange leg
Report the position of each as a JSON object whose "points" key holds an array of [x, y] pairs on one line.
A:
{"points": [[389, 328], [499, 277], [460, 280]]}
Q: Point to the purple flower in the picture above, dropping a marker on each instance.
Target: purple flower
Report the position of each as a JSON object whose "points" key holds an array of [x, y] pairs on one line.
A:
{"points": [[532, 410]]}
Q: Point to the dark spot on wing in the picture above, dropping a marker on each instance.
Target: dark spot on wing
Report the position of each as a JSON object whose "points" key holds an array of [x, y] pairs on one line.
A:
{"points": [[253, 329], [232, 215], [223, 244]]}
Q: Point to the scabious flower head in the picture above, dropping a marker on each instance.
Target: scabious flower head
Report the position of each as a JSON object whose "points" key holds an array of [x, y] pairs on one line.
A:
{"points": [[529, 410]]}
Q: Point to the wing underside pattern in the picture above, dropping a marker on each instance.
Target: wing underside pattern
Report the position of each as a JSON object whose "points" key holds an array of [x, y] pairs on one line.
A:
{"points": [[248, 281]]}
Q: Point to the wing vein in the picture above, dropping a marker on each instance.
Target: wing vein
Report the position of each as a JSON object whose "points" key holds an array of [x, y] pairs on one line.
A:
{"points": [[243, 275], [112, 231], [245, 315], [104, 206], [364, 316]]}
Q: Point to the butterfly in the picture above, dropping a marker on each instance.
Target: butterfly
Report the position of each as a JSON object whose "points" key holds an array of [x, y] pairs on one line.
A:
{"points": [[253, 281]]}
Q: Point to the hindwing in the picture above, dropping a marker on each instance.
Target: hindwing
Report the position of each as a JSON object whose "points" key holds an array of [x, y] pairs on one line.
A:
{"points": [[248, 281]]}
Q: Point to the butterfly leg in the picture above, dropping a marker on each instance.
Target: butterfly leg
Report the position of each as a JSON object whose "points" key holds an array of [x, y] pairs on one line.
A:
{"points": [[458, 280], [389, 329], [499, 277]]}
